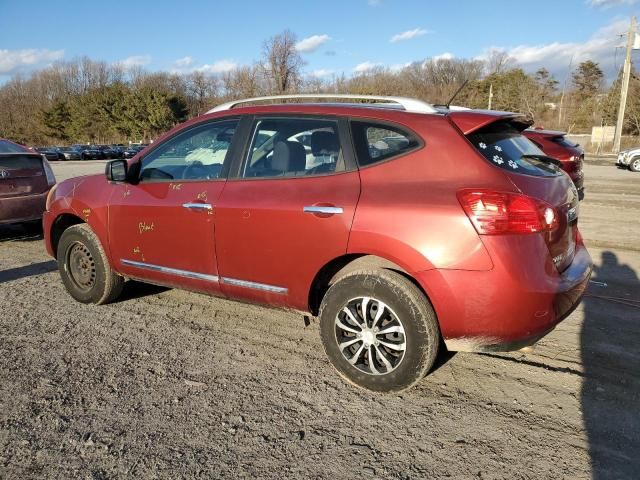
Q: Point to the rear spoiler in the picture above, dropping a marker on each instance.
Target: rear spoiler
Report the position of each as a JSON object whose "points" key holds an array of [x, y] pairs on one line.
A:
{"points": [[468, 121]]}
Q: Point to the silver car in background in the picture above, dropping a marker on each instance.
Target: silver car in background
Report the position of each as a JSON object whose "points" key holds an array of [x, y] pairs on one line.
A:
{"points": [[630, 159]]}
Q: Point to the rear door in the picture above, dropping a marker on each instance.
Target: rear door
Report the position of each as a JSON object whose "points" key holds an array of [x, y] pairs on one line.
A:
{"points": [[161, 226], [288, 209]]}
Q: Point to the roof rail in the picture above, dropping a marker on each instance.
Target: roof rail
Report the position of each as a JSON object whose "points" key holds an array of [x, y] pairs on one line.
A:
{"points": [[409, 104]]}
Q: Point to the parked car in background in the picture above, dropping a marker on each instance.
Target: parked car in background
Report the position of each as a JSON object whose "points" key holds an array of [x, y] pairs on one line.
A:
{"points": [[89, 152], [132, 151], [70, 153], [556, 145], [108, 152], [630, 159], [118, 150], [457, 229], [51, 153], [25, 180]]}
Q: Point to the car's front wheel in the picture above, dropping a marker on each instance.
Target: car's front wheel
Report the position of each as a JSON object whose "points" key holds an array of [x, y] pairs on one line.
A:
{"points": [[634, 164], [379, 330], [84, 267]]}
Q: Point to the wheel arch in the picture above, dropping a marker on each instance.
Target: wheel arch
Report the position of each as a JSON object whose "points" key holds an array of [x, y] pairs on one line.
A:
{"points": [[59, 225], [340, 266]]}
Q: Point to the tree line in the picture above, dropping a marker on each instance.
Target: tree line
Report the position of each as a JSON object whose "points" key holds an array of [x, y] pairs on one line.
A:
{"points": [[89, 101]]}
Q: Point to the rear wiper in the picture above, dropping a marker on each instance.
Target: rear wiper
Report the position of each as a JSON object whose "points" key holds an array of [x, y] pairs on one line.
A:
{"points": [[544, 158]]}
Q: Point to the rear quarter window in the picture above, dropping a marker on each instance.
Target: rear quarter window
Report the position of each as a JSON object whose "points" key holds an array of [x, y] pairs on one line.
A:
{"points": [[375, 142], [505, 147]]}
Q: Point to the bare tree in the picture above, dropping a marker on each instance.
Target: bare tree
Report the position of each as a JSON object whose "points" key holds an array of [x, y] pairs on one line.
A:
{"points": [[281, 62], [498, 61]]}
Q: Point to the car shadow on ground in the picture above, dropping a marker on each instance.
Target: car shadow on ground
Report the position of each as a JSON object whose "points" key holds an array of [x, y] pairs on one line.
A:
{"points": [[133, 290], [27, 271], [610, 339], [20, 233]]}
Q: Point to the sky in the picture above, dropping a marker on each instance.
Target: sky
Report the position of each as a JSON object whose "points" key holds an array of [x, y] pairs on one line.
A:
{"points": [[334, 36]]}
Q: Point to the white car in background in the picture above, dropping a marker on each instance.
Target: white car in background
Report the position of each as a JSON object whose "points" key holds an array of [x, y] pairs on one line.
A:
{"points": [[629, 159]]}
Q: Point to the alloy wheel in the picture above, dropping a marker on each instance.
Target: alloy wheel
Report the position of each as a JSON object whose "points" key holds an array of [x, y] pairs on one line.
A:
{"points": [[370, 336]]}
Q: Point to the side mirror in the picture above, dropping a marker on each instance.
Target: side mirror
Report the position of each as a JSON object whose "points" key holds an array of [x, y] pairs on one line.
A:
{"points": [[116, 171]]}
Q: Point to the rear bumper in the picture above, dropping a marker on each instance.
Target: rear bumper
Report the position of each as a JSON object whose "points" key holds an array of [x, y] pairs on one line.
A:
{"points": [[22, 209], [509, 307]]}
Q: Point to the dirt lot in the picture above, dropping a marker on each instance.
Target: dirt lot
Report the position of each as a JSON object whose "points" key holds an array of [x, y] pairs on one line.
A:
{"points": [[168, 384]]}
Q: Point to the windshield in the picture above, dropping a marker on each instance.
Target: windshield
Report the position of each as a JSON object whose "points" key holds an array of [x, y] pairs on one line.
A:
{"points": [[505, 147]]}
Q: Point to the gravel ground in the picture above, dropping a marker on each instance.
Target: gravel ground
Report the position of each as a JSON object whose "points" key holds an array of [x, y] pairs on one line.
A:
{"points": [[171, 384]]}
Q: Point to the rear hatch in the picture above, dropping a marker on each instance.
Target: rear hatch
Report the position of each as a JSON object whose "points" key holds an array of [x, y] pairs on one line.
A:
{"points": [[536, 176], [22, 174]]}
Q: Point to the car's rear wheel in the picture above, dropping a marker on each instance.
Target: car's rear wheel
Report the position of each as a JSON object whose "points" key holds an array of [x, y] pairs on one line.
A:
{"points": [[84, 267], [634, 164], [379, 330]]}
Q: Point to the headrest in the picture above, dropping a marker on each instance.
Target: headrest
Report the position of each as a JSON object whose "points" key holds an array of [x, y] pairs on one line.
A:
{"points": [[324, 143], [289, 157]]}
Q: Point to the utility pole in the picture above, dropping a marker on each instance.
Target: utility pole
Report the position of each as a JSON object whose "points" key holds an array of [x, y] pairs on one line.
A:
{"points": [[490, 95], [626, 73]]}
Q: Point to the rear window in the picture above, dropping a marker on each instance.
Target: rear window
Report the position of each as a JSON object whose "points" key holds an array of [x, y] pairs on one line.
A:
{"points": [[377, 142], [20, 162], [8, 147], [564, 141], [506, 148]]}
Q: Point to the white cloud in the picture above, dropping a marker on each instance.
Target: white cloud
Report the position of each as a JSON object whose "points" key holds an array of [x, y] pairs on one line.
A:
{"points": [[135, 61], [444, 56], [221, 66], [184, 62], [374, 3], [399, 66], [311, 43], [322, 72], [365, 67], [408, 35], [12, 61], [557, 56], [610, 3]]}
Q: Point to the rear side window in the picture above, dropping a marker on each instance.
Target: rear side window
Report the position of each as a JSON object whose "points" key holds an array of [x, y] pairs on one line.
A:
{"points": [[506, 148], [377, 142]]}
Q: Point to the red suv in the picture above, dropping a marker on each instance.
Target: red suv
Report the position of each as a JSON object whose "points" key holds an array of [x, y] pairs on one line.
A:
{"points": [[400, 228], [558, 146]]}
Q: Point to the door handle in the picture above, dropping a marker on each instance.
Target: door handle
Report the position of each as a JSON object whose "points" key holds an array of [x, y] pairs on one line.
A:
{"points": [[198, 206], [326, 210]]}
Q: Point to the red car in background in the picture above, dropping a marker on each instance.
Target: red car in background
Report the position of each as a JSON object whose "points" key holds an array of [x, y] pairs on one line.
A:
{"points": [[557, 145], [398, 224], [25, 180]]}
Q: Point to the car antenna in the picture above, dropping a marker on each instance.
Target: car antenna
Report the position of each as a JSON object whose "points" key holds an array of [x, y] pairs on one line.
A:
{"points": [[464, 84]]}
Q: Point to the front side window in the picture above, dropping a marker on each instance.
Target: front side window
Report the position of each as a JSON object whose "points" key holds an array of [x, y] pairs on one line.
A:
{"points": [[293, 147], [375, 143], [505, 147], [197, 154]]}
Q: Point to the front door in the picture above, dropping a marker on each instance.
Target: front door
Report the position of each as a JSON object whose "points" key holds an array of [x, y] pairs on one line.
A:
{"points": [[288, 211], [161, 226]]}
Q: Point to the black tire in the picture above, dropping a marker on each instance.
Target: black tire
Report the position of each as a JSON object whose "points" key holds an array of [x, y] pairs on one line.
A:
{"points": [[411, 309], [634, 164], [84, 267]]}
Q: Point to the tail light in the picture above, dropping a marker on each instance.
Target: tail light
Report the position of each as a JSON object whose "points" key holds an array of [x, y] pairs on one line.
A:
{"points": [[51, 178], [499, 213]]}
